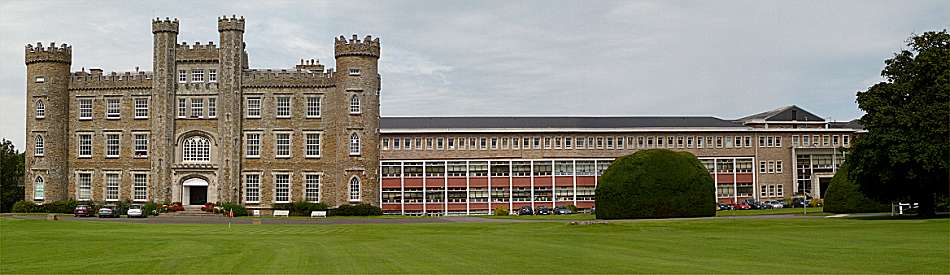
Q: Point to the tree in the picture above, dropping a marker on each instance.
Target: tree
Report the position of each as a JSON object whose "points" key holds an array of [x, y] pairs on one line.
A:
{"points": [[844, 196], [11, 175], [656, 183], [904, 154]]}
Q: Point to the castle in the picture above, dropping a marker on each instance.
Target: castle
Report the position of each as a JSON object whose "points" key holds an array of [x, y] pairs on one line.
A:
{"points": [[176, 134], [204, 127]]}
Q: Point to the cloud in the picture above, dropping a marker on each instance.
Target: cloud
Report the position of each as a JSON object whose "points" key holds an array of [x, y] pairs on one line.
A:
{"points": [[721, 58]]}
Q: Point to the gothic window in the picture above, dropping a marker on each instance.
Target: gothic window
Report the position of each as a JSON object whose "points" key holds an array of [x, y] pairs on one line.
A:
{"points": [[38, 146], [355, 189], [196, 149], [39, 188], [354, 144], [40, 109], [354, 104]]}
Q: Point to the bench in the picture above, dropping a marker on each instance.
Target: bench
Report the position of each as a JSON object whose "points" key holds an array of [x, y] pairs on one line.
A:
{"points": [[318, 214], [281, 213]]}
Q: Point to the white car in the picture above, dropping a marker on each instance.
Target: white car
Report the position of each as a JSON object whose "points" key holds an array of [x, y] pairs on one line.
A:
{"points": [[135, 211]]}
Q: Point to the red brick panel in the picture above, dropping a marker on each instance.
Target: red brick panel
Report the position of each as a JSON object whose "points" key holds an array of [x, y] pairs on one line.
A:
{"points": [[543, 181], [585, 181], [744, 178], [479, 206], [457, 182], [435, 182], [413, 182], [391, 183], [563, 180], [585, 204], [724, 178], [478, 181], [391, 206], [454, 206], [435, 206], [521, 181], [413, 206]]}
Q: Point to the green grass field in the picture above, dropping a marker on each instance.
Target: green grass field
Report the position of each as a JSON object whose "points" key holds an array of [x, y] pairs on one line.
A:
{"points": [[817, 245]]}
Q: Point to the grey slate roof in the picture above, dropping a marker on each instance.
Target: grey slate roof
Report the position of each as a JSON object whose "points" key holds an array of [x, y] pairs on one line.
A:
{"points": [[553, 122], [787, 113], [853, 124]]}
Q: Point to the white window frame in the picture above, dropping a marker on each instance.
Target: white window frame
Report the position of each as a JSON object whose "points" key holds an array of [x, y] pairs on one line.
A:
{"points": [[253, 110], [278, 147], [82, 143], [86, 108], [141, 107], [212, 107], [355, 105], [277, 188], [138, 189], [317, 145], [283, 106], [313, 106], [109, 191], [212, 75], [309, 190], [39, 145], [117, 146], [197, 154], [39, 109], [136, 142], [182, 76], [39, 188], [354, 195], [252, 191], [197, 75], [197, 107], [355, 145], [113, 107], [84, 191], [256, 145], [354, 71]]}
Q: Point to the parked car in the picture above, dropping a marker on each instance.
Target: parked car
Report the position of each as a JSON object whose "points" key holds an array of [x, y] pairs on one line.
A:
{"points": [[544, 211], [742, 206], [776, 204], [561, 210], [723, 206], [106, 212], [83, 210], [525, 210], [800, 202], [135, 211]]}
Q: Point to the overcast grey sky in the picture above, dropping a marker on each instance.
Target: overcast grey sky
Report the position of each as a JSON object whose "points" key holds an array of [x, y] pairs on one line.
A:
{"points": [[448, 58]]}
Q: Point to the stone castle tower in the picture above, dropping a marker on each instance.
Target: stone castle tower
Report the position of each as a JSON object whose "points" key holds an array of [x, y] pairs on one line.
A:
{"points": [[203, 126]]}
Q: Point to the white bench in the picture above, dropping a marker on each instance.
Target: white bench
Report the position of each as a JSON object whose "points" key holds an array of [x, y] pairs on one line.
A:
{"points": [[318, 214], [281, 213]]}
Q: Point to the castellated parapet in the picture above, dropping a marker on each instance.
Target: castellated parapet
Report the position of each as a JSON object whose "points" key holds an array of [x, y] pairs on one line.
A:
{"points": [[165, 25], [233, 23], [287, 78], [197, 52], [366, 47], [98, 81], [53, 53]]}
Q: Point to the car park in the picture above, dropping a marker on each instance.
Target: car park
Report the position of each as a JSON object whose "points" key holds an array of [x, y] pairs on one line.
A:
{"points": [[561, 210], [83, 210], [544, 211], [525, 210], [106, 212], [135, 211]]}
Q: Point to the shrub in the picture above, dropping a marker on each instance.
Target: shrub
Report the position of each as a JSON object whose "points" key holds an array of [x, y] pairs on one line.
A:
{"points": [[64, 206], [27, 207], [150, 208], [356, 210], [501, 211], [655, 183], [572, 207], [300, 208], [208, 207], [844, 196], [238, 209], [173, 207]]}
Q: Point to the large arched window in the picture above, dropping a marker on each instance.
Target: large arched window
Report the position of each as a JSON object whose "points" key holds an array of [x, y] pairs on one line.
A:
{"points": [[39, 187], [39, 147], [354, 144], [355, 104], [355, 189], [40, 109], [196, 149]]}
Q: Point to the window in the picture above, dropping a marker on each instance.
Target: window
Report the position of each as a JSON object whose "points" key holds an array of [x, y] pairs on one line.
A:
{"points": [[418, 143], [679, 142], [669, 142], [806, 140], [354, 104], [483, 143], [699, 142], [40, 109], [771, 167], [494, 143], [537, 143], [778, 191], [451, 143], [182, 108], [252, 144], [40, 79], [197, 107], [253, 107], [85, 145], [568, 142], [197, 75], [428, 143], [796, 141], [610, 143], [354, 71], [825, 140], [354, 144], [281, 188], [139, 186], [689, 142], [719, 142], [182, 76], [439, 143], [761, 141], [312, 146], [112, 145], [354, 189], [282, 147], [141, 145], [38, 146], [526, 143], [778, 141], [738, 141], [748, 141], [620, 142], [252, 188], [778, 166], [112, 186], [845, 140], [212, 107], [600, 142], [396, 143], [141, 107], [313, 106], [212, 75], [762, 166], [196, 149], [85, 108], [113, 105], [38, 188], [283, 106], [84, 184], [311, 191], [834, 140]]}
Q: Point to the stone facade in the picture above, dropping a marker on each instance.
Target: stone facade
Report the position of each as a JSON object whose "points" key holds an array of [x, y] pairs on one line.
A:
{"points": [[200, 93]]}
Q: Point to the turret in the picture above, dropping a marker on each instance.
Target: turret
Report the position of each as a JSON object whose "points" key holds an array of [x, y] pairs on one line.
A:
{"points": [[162, 124], [357, 80], [47, 120], [232, 59]]}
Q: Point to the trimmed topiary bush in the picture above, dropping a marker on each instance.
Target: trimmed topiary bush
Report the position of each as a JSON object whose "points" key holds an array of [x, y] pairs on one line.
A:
{"points": [[656, 183], [844, 196]]}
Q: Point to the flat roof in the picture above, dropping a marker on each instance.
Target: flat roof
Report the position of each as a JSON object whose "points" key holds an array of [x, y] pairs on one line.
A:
{"points": [[555, 122]]}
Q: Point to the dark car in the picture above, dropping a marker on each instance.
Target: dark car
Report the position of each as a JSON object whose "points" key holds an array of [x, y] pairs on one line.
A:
{"points": [[723, 206], [83, 211], [561, 210], [525, 210], [544, 211], [107, 212]]}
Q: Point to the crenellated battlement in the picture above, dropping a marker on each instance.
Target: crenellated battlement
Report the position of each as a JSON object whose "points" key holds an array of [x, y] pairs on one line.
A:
{"points": [[164, 25], [312, 65], [197, 52], [366, 47], [95, 80], [231, 24], [53, 53], [287, 78]]}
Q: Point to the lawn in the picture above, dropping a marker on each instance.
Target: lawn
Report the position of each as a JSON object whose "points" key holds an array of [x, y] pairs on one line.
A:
{"points": [[778, 211], [819, 245]]}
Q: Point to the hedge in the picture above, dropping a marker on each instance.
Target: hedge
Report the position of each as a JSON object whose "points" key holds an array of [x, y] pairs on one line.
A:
{"points": [[300, 208], [239, 210], [356, 210], [64, 206], [656, 183], [844, 196]]}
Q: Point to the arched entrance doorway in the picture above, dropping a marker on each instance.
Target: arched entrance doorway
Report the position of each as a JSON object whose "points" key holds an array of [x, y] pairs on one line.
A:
{"points": [[194, 191]]}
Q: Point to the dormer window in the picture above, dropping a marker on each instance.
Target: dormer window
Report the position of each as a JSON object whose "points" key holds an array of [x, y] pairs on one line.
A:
{"points": [[354, 71]]}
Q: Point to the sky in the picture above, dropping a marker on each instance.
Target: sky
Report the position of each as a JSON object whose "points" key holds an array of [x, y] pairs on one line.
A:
{"points": [[725, 59]]}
